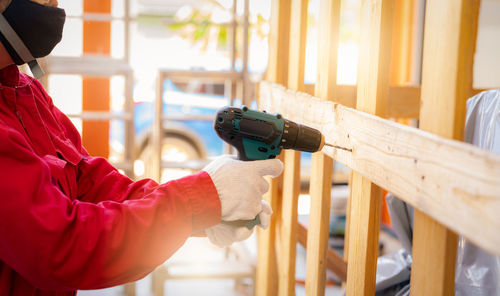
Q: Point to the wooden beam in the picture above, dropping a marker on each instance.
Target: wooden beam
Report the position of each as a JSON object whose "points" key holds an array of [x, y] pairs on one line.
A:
{"points": [[277, 71], [297, 47], [267, 267], [279, 38], [373, 87], [446, 84], [347, 223], [456, 183], [291, 173], [402, 47], [328, 33], [322, 165], [334, 261], [454, 57], [319, 223], [364, 227], [402, 101], [291, 190]]}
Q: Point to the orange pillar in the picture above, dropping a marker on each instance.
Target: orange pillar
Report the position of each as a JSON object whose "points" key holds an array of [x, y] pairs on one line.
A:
{"points": [[95, 90]]}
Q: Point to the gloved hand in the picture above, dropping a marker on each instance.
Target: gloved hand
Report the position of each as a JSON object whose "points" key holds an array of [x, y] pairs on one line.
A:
{"points": [[241, 184], [223, 235]]}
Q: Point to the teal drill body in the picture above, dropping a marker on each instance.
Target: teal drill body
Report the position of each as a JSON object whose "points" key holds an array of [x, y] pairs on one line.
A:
{"points": [[260, 135], [268, 145]]}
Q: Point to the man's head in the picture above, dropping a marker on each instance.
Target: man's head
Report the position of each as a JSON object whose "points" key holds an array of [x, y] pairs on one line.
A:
{"points": [[30, 29], [5, 3]]}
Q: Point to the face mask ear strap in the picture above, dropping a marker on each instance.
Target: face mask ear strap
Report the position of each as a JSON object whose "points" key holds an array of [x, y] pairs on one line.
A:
{"points": [[19, 47]]}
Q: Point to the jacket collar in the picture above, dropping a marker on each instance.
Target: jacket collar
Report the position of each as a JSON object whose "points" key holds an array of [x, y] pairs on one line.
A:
{"points": [[10, 76]]}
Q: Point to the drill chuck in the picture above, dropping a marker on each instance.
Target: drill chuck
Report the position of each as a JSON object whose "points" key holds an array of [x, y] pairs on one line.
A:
{"points": [[301, 137]]}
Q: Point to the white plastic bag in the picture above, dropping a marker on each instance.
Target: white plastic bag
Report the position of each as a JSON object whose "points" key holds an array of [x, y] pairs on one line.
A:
{"points": [[477, 271]]}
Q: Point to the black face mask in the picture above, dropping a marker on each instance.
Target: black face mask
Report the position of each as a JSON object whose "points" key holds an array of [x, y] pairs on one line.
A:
{"points": [[39, 27]]}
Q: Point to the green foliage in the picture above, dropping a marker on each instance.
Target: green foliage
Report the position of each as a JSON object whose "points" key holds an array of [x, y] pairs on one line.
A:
{"points": [[222, 38]]}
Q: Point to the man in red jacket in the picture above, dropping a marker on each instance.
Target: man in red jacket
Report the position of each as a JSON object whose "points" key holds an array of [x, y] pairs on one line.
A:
{"points": [[70, 221]]}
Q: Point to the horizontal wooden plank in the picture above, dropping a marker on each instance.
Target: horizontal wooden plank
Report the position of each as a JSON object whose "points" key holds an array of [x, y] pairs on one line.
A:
{"points": [[402, 101], [455, 183], [200, 75]]}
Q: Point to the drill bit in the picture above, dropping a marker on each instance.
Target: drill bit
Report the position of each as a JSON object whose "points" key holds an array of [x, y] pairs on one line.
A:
{"points": [[338, 147]]}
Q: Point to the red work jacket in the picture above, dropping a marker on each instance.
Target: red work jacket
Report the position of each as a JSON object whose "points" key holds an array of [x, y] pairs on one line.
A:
{"points": [[71, 221]]}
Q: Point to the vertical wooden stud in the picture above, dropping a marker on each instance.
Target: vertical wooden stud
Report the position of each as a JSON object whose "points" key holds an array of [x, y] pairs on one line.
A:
{"points": [[277, 71], [319, 222], [279, 39], [347, 224], [449, 44], [322, 165], [363, 236], [373, 84], [402, 42], [297, 47], [291, 190], [328, 34], [157, 131], [291, 174], [267, 264]]}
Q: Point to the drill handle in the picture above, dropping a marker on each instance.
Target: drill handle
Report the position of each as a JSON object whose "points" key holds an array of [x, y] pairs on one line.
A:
{"points": [[241, 155], [246, 223]]}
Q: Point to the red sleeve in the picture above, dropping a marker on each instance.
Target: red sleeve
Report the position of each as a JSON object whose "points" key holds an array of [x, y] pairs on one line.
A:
{"points": [[60, 244], [98, 180]]}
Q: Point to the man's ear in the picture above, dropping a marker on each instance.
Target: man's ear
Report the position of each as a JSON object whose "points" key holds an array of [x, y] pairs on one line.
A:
{"points": [[5, 59], [46, 2], [4, 4]]}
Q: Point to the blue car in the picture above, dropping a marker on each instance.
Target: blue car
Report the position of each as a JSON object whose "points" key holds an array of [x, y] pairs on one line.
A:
{"points": [[183, 139]]}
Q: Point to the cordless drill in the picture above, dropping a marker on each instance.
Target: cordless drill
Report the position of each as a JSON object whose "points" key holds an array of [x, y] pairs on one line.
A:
{"points": [[259, 135]]}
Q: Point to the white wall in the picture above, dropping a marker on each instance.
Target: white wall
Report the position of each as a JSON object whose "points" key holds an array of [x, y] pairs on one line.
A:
{"points": [[487, 59]]}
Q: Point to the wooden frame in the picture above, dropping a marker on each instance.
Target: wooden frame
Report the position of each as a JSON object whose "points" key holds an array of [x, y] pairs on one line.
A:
{"points": [[454, 186]]}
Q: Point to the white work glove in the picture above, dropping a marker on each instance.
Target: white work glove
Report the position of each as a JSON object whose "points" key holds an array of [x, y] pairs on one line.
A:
{"points": [[240, 185], [223, 235]]}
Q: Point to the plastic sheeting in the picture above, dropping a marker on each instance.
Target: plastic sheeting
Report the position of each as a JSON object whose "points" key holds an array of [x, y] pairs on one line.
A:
{"points": [[402, 220], [393, 272], [478, 272], [394, 269]]}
